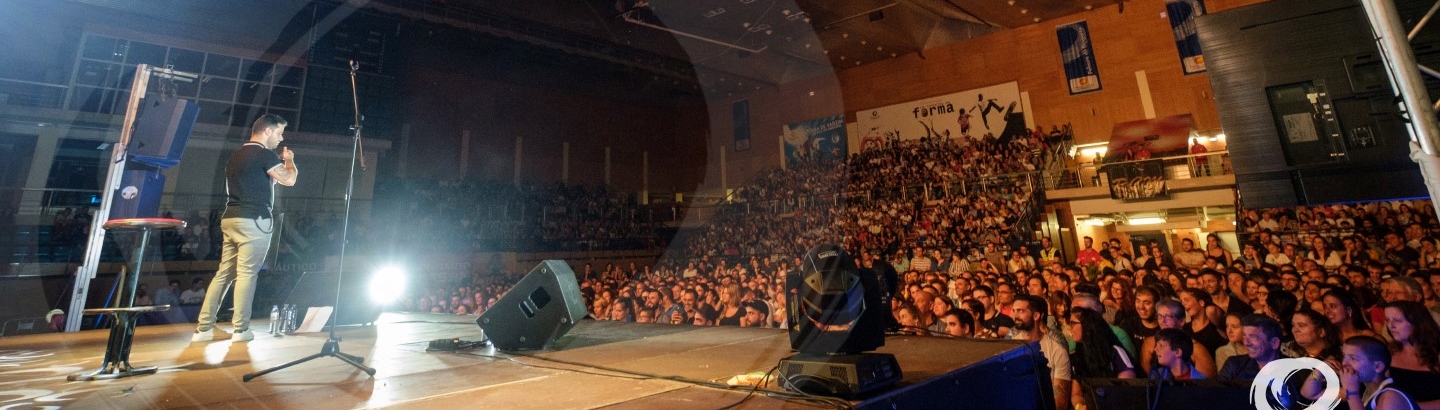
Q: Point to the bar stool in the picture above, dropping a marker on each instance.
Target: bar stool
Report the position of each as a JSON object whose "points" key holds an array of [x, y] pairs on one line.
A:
{"points": [[122, 329]]}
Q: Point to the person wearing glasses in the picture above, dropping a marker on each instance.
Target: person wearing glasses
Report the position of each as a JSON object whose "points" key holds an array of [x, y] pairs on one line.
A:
{"points": [[1171, 315]]}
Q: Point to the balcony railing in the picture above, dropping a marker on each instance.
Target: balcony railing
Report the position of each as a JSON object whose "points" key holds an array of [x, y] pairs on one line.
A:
{"points": [[32, 94], [1090, 174]]}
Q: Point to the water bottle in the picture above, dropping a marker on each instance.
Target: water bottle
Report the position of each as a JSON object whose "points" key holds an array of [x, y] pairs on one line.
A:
{"points": [[286, 316], [275, 319]]}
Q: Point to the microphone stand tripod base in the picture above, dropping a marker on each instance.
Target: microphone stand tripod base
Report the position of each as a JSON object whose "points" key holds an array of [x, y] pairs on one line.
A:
{"points": [[330, 349]]}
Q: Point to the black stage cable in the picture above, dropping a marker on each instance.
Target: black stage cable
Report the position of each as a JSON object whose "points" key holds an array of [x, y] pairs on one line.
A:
{"points": [[801, 397]]}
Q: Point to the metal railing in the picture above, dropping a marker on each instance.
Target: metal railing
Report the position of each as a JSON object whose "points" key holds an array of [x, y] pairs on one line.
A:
{"points": [[1090, 174], [32, 94]]}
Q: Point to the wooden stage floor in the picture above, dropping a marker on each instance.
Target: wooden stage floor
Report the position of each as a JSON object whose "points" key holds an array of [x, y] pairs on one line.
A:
{"points": [[595, 365]]}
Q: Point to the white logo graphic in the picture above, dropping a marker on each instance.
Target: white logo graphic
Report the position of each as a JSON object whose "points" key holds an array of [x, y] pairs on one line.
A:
{"points": [[1268, 390], [129, 192]]}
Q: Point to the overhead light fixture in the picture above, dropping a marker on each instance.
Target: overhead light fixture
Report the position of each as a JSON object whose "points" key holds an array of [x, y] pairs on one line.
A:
{"points": [[1147, 221], [1095, 222]]}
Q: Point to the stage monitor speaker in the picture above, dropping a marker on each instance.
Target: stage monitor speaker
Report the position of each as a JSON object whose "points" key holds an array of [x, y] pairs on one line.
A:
{"points": [[317, 288], [537, 311], [162, 130], [835, 307], [1110, 394], [139, 193], [840, 375]]}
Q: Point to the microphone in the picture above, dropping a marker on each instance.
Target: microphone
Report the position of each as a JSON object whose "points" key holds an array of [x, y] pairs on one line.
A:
{"points": [[354, 66]]}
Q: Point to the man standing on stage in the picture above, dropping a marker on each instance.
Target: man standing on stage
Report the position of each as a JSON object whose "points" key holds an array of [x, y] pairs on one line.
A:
{"points": [[250, 178]]}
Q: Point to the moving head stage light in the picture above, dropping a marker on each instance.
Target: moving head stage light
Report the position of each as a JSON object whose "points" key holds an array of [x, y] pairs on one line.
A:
{"points": [[837, 312]]}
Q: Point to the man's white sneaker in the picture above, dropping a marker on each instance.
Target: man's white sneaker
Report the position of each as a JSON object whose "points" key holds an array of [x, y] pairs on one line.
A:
{"points": [[203, 336], [243, 336]]}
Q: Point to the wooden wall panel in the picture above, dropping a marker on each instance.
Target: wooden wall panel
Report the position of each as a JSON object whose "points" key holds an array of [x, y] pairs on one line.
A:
{"points": [[1137, 40]]}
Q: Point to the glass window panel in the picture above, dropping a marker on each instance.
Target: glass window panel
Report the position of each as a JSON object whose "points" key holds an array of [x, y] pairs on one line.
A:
{"points": [[212, 112], [93, 100], [222, 65], [285, 97], [245, 114], [253, 93], [218, 89], [96, 74], [189, 61], [145, 53], [102, 48], [289, 76], [259, 71], [127, 77]]}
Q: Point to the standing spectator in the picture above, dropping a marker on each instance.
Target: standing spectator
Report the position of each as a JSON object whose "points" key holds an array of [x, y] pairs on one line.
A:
{"points": [[1029, 313]]}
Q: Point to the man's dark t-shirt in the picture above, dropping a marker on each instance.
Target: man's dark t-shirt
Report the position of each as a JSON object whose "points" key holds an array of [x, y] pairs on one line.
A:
{"points": [[249, 191]]}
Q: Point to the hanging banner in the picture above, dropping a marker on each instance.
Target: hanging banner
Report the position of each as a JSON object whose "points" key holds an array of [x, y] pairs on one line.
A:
{"points": [[994, 110], [740, 116], [1079, 57], [1182, 23], [1137, 181], [820, 138]]}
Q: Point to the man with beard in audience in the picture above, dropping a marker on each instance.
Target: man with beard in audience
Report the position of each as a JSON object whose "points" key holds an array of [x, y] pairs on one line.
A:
{"points": [[992, 319], [1048, 253], [1188, 257], [1214, 284], [1029, 314], [1262, 338]]}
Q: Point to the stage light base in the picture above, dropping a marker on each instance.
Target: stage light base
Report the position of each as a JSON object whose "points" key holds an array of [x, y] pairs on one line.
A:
{"points": [[839, 375]]}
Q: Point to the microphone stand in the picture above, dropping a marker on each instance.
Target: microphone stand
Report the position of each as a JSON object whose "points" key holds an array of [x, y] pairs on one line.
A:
{"points": [[332, 344]]}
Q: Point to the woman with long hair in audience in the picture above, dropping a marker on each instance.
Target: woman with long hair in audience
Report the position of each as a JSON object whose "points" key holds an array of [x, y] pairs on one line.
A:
{"points": [[1234, 339], [1281, 306], [1314, 337], [1216, 249], [1342, 311], [730, 310], [1323, 252], [1354, 252], [1059, 309], [1121, 297], [1415, 352], [1201, 311], [1097, 352]]}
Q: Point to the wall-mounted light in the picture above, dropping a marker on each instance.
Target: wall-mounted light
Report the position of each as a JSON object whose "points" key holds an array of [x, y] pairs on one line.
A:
{"points": [[1147, 221]]}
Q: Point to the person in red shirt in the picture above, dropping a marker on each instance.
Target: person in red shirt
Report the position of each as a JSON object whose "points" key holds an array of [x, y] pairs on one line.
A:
{"points": [[1202, 162]]}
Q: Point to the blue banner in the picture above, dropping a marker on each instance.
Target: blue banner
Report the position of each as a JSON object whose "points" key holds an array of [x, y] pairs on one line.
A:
{"points": [[740, 119], [1182, 23], [820, 138], [1079, 57]]}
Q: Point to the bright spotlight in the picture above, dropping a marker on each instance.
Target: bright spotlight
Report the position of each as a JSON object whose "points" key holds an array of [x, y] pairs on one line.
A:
{"points": [[387, 284]]}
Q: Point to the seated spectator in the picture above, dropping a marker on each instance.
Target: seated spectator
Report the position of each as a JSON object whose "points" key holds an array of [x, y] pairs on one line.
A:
{"points": [[1262, 336], [1173, 350], [1097, 353], [1415, 351], [195, 294], [1364, 377]]}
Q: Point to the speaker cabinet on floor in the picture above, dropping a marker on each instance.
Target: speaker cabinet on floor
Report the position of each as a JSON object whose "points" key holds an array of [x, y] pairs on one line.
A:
{"points": [[537, 311]]}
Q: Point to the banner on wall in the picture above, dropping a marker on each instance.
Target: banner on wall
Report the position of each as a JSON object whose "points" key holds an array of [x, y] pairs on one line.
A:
{"points": [[820, 138], [1182, 23], [740, 116], [1152, 138], [1137, 181], [1078, 56], [994, 110]]}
